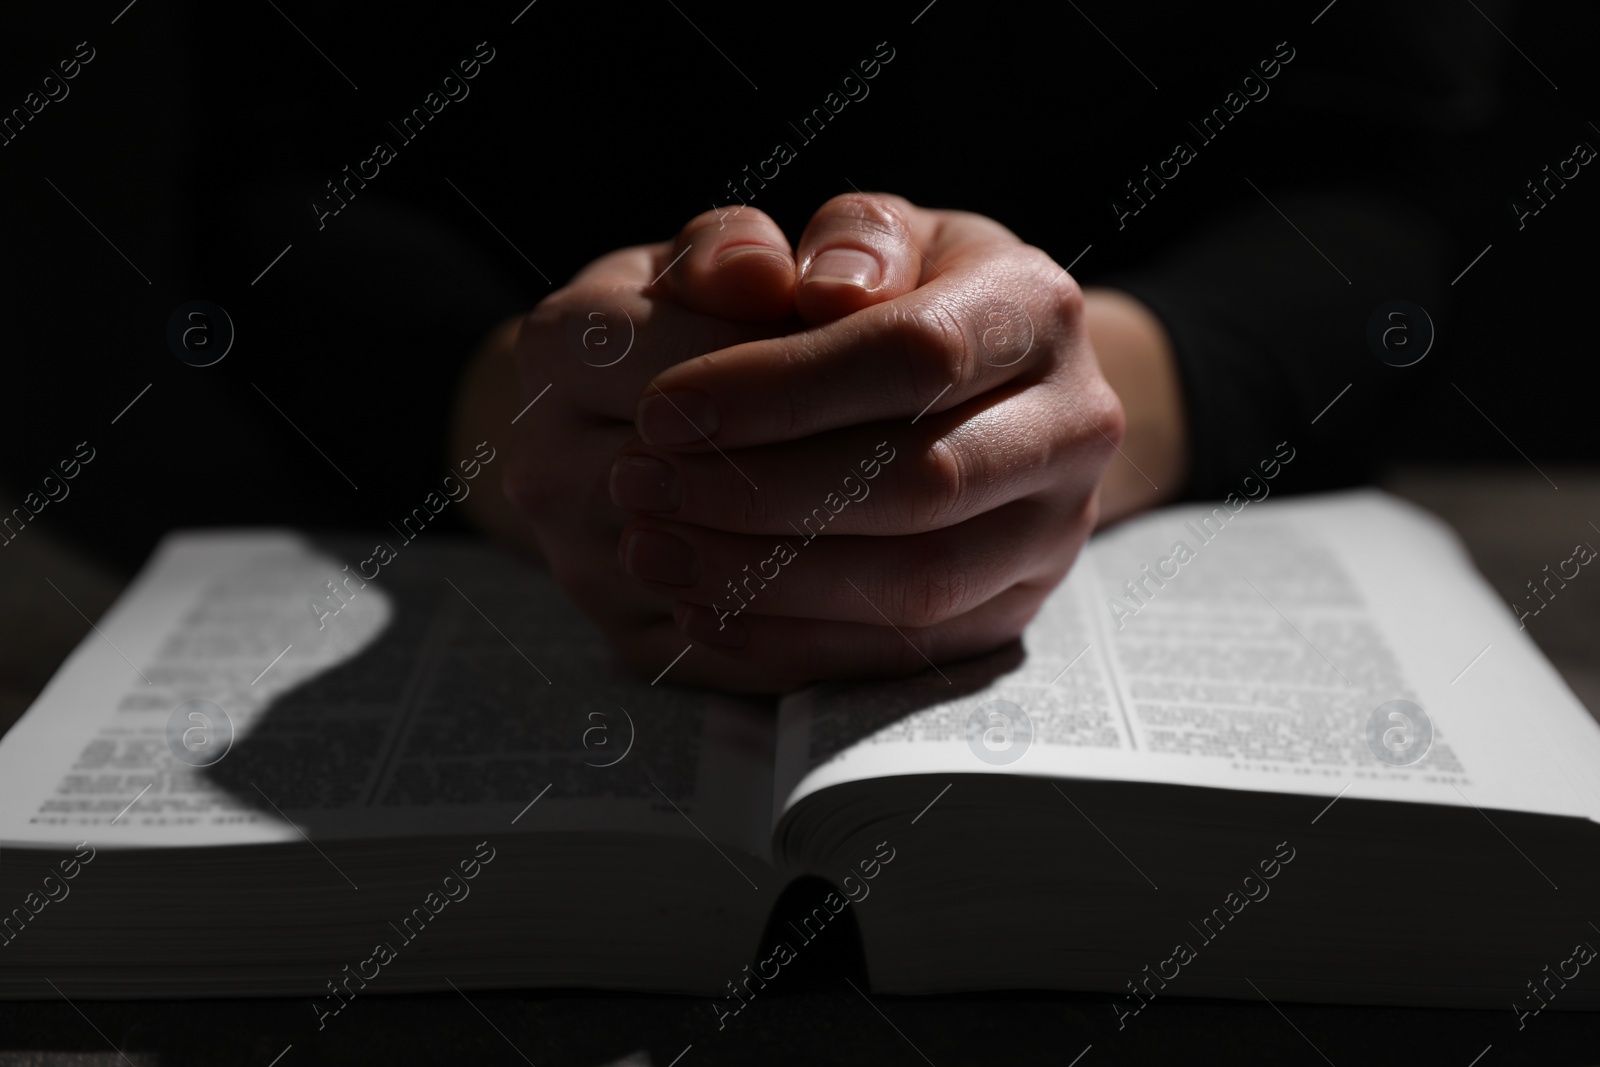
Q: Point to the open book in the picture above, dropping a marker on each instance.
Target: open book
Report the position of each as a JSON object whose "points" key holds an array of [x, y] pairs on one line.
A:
{"points": [[1309, 751]]}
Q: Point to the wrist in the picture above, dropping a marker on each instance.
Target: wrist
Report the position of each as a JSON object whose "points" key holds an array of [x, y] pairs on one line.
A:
{"points": [[1136, 356]]}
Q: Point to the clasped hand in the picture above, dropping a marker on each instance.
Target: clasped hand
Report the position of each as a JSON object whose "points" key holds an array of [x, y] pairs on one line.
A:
{"points": [[874, 452]]}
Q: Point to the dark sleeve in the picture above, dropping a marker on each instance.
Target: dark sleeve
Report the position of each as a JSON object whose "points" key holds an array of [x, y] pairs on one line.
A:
{"points": [[1270, 338], [1342, 194]]}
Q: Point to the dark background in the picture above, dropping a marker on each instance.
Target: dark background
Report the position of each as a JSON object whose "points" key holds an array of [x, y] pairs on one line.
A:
{"points": [[198, 137]]}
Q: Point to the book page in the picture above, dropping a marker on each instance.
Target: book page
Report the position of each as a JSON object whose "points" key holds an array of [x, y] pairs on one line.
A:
{"points": [[1261, 655], [445, 694]]}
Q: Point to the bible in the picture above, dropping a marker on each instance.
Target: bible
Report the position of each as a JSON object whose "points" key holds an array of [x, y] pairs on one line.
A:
{"points": [[1297, 748]]}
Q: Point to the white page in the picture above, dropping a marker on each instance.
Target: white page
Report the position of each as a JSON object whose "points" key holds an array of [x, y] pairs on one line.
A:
{"points": [[422, 706], [1256, 666]]}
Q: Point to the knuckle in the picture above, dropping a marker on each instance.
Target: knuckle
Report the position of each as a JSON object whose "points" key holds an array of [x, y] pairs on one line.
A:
{"points": [[934, 591], [1063, 296], [942, 596], [1057, 292], [1105, 414], [933, 348], [944, 479], [1036, 262]]}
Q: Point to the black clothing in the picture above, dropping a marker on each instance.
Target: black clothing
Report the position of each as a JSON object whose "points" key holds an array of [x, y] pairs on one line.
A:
{"points": [[219, 152]]}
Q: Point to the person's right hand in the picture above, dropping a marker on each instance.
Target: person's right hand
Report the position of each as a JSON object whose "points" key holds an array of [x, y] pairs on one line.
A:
{"points": [[582, 356], [963, 351]]}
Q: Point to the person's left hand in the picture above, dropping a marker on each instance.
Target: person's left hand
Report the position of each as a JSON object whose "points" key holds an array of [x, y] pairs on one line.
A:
{"points": [[899, 485]]}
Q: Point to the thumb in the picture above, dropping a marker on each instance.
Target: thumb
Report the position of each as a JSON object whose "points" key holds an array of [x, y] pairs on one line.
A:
{"points": [[732, 263], [858, 250]]}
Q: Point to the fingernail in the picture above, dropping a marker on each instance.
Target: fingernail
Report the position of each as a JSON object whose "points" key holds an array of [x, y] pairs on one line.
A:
{"points": [[681, 417], [846, 266], [702, 624], [728, 255], [659, 557], [644, 483]]}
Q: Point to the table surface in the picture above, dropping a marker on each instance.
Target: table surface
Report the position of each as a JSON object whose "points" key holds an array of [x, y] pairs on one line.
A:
{"points": [[1512, 520]]}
